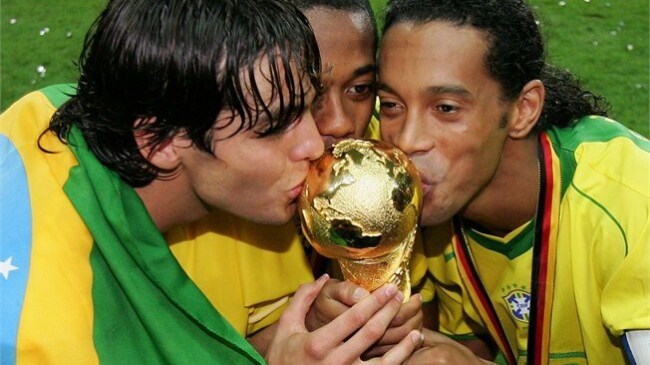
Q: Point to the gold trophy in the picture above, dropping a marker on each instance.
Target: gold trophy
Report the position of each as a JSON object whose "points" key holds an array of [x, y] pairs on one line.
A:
{"points": [[360, 205]]}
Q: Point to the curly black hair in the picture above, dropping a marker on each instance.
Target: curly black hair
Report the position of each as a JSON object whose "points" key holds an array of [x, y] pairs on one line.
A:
{"points": [[351, 6], [516, 54]]}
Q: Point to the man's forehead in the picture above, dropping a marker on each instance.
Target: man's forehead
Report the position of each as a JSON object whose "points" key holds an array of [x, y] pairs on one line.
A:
{"points": [[270, 77]]}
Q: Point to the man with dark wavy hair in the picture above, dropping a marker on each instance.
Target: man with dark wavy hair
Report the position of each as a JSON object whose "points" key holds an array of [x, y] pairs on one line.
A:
{"points": [[222, 253], [182, 107], [536, 205]]}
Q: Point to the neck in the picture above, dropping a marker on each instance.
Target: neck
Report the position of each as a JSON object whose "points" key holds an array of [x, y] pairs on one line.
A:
{"points": [[510, 199], [170, 202]]}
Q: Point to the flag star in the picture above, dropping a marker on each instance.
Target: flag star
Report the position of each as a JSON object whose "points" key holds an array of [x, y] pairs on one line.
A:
{"points": [[6, 267]]}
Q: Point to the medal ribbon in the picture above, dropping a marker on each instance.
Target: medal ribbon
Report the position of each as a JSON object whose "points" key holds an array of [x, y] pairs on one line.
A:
{"points": [[543, 270]]}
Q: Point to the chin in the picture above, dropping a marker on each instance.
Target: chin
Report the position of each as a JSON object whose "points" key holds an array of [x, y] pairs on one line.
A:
{"points": [[433, 217], [276, 218], [290, 213]]}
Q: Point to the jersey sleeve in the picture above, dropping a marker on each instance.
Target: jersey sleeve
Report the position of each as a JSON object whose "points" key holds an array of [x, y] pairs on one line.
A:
{"points": [[610, 203], [626, 295]]}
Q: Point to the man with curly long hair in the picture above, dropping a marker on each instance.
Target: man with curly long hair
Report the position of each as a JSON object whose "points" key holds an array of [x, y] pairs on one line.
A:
{"points": [[536, 205]]}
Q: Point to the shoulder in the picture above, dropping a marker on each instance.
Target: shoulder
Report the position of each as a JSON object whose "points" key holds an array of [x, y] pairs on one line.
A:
{"points": [[601, 155], [595, 130], [31, 114], [605, 174]]}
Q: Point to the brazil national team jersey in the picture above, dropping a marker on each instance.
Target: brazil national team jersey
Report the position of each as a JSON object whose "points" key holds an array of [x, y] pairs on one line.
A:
{"points": [[564, 287], [86, 276]]}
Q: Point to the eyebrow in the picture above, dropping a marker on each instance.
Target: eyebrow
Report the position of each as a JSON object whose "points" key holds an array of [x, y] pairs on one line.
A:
{"points": [[274, 110], [382, 86], [448, 89], [364, 70], [442, 89]]}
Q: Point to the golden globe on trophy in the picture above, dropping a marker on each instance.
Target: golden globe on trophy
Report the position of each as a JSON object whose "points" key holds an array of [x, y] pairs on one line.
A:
{"points": [[360, 205]]}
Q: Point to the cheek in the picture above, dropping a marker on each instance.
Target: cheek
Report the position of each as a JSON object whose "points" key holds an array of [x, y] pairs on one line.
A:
{"points": [[458, 161], [362, 112], [369, 108], [358, 108], [388, 131], [474, 167], [258, 177]]}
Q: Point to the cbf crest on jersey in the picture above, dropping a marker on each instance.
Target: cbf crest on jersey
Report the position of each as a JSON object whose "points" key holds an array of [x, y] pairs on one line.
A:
{"points": [[518, 302]]}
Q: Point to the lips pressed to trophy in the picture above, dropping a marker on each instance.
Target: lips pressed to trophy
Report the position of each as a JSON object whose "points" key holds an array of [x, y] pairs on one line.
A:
{"points": [[360, 205]]}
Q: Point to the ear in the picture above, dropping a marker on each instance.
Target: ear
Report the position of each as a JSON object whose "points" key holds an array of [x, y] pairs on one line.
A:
{"points": [[528, 108], [164, 155]]}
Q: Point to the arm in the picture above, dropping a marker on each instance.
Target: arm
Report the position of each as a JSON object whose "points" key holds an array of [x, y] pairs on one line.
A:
{"points": [[440, 349], [480, 346], [262, 339], [430, 312]]}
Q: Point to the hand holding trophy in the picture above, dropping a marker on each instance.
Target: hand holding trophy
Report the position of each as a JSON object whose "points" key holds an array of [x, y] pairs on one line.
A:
{"points": [[360, 205]]}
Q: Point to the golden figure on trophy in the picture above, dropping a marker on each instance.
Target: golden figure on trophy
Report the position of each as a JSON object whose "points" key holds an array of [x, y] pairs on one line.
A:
{"points": [[360, 205]]}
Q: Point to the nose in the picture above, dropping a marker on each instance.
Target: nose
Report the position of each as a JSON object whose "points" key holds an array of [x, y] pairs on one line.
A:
{"points": [[332, 118], [309, 144], [411, 136]]}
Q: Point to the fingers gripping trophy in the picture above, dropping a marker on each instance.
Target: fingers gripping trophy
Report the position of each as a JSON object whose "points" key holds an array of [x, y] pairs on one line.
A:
{"points": [[360, 205]]}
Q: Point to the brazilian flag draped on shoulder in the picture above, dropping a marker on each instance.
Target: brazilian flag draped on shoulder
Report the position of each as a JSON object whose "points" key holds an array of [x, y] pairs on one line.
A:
{"points": [[86, 276]]}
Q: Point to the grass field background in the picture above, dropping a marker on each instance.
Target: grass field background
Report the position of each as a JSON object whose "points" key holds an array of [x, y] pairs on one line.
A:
{"points": [[605, 43]]}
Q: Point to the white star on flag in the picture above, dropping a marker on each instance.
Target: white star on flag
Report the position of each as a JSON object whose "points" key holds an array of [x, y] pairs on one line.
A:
{"points": [[6, 267]]}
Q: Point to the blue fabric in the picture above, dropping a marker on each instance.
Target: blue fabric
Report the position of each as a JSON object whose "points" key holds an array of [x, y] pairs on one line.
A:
{"points": [[15, 245]]}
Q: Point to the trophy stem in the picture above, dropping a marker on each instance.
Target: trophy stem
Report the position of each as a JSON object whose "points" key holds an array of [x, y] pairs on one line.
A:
{"points": [[373, 273]]}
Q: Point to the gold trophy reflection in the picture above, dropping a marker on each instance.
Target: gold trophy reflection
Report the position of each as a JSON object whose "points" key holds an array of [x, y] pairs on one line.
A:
{"points": [[360, 205]]}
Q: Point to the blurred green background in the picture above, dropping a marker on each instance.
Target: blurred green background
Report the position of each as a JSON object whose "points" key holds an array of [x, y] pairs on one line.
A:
{"points": [[605, 43]]}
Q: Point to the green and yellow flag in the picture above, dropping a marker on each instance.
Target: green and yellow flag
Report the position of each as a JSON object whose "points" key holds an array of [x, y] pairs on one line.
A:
{"points": [[86, 276]]}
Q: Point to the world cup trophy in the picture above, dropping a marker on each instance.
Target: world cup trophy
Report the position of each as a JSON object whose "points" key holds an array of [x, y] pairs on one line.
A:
{"points": [[360, 205]]}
